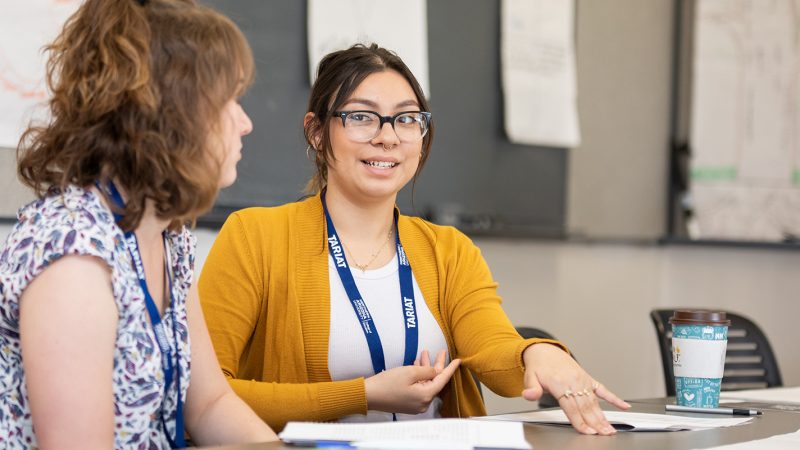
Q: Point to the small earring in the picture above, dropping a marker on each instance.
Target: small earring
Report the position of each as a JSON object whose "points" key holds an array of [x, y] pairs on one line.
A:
{"points": [[308, 152]]}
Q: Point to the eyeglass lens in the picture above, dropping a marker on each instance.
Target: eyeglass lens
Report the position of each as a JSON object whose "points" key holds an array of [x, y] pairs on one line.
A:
{"points": [[363, 126]]}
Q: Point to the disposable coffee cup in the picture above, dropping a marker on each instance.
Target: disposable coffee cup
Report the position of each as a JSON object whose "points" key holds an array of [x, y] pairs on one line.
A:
{"points": [[699, 341]]}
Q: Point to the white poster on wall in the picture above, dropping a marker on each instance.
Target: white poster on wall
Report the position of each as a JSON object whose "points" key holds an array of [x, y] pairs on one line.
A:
{"points": [[398, 26], [745, 120], [25, 28], [538, 72]]}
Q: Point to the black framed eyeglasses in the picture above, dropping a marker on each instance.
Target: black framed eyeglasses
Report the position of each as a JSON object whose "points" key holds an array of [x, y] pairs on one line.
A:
{"points": [[365, 125]]}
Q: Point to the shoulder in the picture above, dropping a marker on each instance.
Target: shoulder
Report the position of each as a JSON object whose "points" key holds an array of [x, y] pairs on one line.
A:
{"points": [[287, 211], [439, 248], [71, 221], [68, 221], [264, 232], [274, 221], [73, 206]]}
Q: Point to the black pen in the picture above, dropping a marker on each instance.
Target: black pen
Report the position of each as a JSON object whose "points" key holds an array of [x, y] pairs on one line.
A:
{"points": [[730, 411]]}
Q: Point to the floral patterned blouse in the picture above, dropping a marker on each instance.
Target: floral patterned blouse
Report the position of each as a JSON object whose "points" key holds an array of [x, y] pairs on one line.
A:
{"points": [[75, 222]]}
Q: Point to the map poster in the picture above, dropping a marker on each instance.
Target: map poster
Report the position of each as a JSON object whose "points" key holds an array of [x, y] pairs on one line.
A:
{"points": [[745, 120]]}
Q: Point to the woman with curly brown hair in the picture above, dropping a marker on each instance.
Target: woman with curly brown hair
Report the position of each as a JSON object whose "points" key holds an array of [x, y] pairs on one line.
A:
{"points": [[99, 319]]}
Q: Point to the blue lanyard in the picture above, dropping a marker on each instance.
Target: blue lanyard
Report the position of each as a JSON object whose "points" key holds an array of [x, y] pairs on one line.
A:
{"points": [[167, 364], [360, 308]]}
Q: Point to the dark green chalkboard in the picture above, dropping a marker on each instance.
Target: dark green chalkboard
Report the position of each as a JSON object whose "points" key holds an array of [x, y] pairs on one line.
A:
{"points": [[492, 185]]}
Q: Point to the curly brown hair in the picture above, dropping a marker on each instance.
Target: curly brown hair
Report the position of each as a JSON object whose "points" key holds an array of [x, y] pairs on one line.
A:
{"points": [[137, 92], [338, 75]]}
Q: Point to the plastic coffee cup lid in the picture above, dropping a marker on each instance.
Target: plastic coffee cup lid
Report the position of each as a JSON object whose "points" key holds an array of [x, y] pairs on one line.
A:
{"points": [[698, 317]]}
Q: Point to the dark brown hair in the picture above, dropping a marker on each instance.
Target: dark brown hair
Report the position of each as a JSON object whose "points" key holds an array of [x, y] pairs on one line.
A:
{"points": [[137, 89], [338, 75]]}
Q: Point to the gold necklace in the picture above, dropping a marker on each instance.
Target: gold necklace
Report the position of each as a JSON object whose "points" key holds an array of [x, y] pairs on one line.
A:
{"points": [[363, 267]]}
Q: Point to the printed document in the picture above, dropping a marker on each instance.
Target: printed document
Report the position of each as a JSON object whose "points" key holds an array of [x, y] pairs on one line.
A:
{"points": [[438, 433]]}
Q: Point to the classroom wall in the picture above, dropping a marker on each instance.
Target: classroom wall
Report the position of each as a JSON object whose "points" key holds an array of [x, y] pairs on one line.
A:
{"points": [[617, 182]]}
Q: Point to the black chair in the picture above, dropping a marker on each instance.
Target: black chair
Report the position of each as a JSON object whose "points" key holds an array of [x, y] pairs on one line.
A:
{"points": [[547, 400], [749, 361]]}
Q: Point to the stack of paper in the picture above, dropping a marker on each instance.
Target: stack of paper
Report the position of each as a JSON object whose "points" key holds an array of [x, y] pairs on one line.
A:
{"points": [[414, 434], [627, 421]]}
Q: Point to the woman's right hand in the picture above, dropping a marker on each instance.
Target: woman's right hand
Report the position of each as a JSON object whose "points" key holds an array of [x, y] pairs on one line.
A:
{"points": [[409, 389]]}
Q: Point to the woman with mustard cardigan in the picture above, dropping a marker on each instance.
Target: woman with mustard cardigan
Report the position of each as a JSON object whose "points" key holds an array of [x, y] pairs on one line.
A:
{"points": [[330, 308]]}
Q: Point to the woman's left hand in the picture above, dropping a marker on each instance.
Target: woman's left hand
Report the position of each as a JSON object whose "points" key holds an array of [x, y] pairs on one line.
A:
{"points": [[549, 368]]}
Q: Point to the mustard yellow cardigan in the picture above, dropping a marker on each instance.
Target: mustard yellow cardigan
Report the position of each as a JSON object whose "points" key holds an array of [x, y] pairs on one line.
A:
{"points": [[265, 294]]}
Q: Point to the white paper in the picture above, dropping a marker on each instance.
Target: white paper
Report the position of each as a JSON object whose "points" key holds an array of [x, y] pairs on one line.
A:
{"points": [[786, 395], [538, 72], [25, 28], [628, 421], [778, 442], [438, 433], [401, 27], [745, 120]]}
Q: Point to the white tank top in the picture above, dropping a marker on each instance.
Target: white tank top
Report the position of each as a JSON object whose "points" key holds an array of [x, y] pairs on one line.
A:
{"points": [[348, 353]]}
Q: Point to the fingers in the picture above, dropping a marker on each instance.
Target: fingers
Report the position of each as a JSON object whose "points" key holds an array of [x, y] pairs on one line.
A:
{"points": [[533, 389], [444, 376], [573, 414], [407, 389], [610, 397], [582, 407], [440, 359], [419, 373], [577, 393], [425, 359], [592, 415]]}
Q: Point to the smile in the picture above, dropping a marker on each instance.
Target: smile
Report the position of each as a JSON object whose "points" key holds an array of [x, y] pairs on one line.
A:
{"points": [[380, 164]]}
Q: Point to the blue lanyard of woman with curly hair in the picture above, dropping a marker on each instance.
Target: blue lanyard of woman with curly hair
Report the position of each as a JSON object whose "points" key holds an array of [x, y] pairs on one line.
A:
{"points": [[169, 367]]}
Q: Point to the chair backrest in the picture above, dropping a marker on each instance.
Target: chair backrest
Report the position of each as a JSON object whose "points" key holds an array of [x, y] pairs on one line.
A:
{"points": [[749, 361]]}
